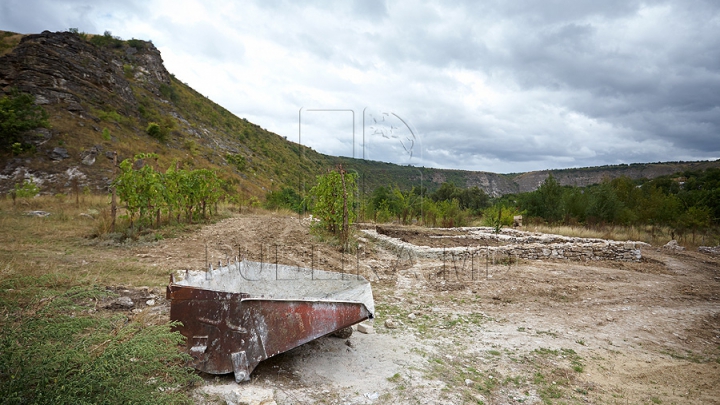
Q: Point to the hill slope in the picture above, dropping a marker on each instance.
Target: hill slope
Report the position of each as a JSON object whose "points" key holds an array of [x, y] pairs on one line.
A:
{"points": [[102, 99], [102, 93]]}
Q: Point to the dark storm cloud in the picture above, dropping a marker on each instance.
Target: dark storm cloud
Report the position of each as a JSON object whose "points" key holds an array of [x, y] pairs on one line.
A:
{"points": [[502, 86]]}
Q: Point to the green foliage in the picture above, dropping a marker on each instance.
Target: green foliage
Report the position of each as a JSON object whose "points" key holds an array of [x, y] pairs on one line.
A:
{"points": [[17, 148], [473, 199], [128, 71], [191, 146], [153, 129], [287, 198], [146, 191], [688, 201], [605, 205], [545, 202], [28, 189], [333, 200], [106, 40], [498, 216], [162, 130], [106, 134], [54, 352], [169, 92], [236, 160], [136, 43], [110, 116], [451, 214], [387, 203], [18, 113], [77, 32]]}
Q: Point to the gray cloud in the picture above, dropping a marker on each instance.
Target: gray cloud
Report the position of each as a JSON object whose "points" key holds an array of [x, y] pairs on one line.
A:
{"points": [[502, 86]]}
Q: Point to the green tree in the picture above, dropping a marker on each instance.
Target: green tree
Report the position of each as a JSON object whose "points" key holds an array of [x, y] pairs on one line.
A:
{"points": [[694, 219], [604, 204], [574, 202], [333, 197], [546, 201], [18, 113], [287, 197]]}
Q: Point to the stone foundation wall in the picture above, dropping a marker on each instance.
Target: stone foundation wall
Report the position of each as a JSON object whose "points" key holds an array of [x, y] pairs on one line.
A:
{"points": [[578, 249]]}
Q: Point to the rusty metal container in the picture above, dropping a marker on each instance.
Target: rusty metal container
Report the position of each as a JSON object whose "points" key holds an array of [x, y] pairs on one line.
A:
{"points": [[237, 315]]}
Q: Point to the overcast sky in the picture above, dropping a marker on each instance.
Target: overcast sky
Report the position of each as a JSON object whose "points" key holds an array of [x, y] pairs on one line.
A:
{"points": [[501, 86]]}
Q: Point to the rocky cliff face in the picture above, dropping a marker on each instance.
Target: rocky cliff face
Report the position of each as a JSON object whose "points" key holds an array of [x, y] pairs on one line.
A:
{"points": [[75, 81], [62, 68], [493, 184], [530, 181]]}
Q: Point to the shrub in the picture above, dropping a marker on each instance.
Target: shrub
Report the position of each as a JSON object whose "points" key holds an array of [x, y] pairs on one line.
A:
{"points": [[106, 40], [18, 113], [169, 92], [28, 189], [236, 160], [128, 71], [136, 43], [110, 116], [153, 129]]}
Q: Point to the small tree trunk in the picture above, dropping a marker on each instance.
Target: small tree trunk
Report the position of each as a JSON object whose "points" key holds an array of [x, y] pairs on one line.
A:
{"points": [[346, 218], [76, 189], [113, 200]]}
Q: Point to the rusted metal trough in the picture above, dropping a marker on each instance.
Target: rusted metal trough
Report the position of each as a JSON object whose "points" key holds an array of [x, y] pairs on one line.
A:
{"points": [[238, 315]]}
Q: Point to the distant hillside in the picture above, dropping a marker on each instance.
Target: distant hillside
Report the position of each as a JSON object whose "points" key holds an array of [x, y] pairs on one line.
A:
{"points": [[101, 94], [378, 174]]}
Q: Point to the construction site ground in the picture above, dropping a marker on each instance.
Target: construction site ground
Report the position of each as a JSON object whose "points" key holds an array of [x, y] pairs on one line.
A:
{"points": [[527, 331]]}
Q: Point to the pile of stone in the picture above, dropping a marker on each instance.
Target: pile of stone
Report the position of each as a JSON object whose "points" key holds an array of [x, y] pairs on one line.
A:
{"points": [[711, 250]]}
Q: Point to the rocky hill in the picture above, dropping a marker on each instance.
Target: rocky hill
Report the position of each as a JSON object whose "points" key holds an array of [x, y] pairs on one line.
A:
{"points": [[102, 93], [101, 97]]}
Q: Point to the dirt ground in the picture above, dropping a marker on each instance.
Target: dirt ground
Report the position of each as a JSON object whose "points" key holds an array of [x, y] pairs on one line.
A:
{"points": [[532, 332]]}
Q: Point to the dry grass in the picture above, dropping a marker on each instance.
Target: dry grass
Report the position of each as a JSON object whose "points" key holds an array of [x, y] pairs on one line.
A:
{"points": [[59, 247], [656, 236]]}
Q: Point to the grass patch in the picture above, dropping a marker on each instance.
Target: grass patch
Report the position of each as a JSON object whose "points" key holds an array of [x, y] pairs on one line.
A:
{"points": [[58, 349], [55, 346]]}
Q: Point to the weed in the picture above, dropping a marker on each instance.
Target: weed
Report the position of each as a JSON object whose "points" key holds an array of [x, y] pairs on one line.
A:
{"points": [[546, 332], [111, 116], [128, 71], [396, 378]]}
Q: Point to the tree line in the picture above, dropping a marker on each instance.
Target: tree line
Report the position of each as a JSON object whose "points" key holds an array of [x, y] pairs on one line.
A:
{"points": [[686, 202]]}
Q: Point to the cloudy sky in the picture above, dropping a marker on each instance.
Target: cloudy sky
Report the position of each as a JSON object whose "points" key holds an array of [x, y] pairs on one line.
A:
{"points": [[501, 86]]}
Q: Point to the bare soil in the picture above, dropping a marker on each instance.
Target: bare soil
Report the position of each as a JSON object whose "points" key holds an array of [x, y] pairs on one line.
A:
{"points": [[532, 332]]}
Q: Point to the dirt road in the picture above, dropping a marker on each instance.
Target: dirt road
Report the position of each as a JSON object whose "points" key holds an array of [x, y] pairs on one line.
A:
{"points": [[532, 332]]}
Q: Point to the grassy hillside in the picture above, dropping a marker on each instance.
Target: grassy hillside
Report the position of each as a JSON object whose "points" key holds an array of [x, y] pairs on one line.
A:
{"points": [[194, 132]]}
